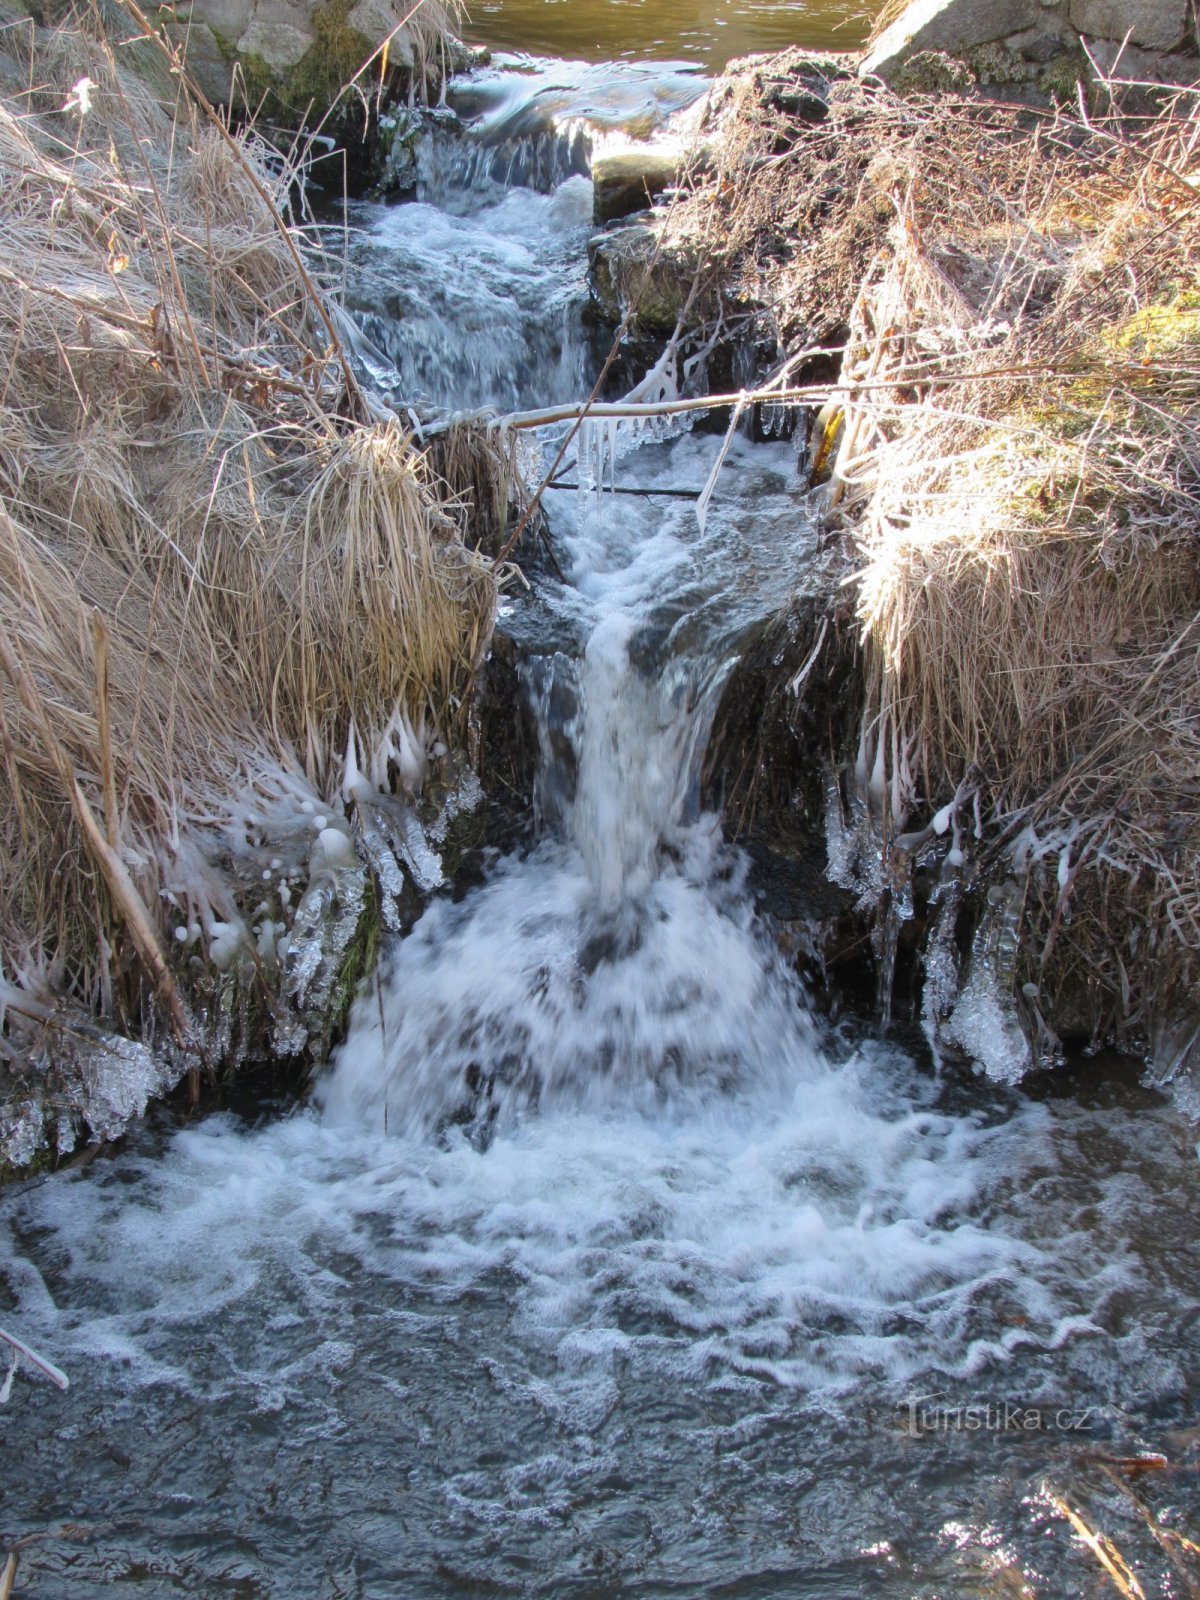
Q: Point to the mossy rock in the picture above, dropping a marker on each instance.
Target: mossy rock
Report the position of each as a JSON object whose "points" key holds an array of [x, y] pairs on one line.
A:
{"points": [[933, 72], [996, 66], [289, 62], [1061, 76]]}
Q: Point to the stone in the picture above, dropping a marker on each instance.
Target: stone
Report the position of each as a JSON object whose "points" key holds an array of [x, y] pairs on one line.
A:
{"points": [[228, 19], [207, 64], [1038, 47], [293, 55], [624, 264], [953, 26], [280, 42], [377, 20], [1156, 24], [627, 181]]}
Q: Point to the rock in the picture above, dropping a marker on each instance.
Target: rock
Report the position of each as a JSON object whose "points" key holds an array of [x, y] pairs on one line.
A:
{"points": [[953, 26], [277, 35], [625, 269], [996, 65], [1156, 24], [627, 181], [292, 56]]}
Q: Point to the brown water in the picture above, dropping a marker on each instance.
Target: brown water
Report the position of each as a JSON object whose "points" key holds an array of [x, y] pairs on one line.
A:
{"points": [[708, 31]]}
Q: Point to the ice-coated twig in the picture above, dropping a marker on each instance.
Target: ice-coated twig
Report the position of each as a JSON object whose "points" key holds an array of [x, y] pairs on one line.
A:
{"points": [[57, 1377]]}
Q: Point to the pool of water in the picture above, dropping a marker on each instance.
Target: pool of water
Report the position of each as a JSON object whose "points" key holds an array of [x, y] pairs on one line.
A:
{"points": [[710, 32]]}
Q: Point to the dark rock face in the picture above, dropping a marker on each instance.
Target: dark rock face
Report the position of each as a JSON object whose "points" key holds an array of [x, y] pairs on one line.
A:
{"points": [[768, 768], [1032, 50]]}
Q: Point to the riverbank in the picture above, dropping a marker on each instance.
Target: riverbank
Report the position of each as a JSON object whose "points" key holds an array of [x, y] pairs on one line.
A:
{"points": [[988, 724], [237, 608]]}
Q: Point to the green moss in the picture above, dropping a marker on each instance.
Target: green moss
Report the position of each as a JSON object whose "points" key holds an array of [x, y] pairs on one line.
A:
{"points": [[44, 1161], [1158, 331], [997, 64], [256, 80], [318, 78], [226, 45], [933, 72], [358, 963], [1061, 76]]}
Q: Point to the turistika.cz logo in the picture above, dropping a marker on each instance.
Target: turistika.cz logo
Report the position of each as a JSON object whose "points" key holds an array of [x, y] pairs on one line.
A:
{"points": [[925, 1414]]}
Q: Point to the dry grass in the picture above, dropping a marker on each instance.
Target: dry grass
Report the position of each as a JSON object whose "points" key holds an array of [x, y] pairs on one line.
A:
{"points": [[1018, 483], [194, 505]]}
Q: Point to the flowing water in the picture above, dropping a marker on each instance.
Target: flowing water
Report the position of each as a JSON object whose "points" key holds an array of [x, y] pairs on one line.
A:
{"points": [[598, 1266]]}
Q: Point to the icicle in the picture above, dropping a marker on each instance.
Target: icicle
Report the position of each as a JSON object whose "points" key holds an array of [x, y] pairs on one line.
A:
{"points": [[705, 499], [355, 785]]}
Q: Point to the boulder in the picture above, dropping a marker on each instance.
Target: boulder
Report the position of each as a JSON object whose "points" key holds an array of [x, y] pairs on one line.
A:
{"points": [[631, 179], [1031, 51], [625, 270], [952, 26], [1155, 24], [291, 57]]}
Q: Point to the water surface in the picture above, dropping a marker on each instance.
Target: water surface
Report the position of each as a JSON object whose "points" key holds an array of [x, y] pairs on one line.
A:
{"points": [[710, 32]]}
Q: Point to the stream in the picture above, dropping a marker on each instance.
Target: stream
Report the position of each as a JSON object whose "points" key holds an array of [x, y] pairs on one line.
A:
{"points": [[598, 1264]]}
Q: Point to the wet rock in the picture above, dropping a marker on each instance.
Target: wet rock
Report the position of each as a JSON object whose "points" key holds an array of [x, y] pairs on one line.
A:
{"points": [[628, 181], [629, 270], [295, 56], [766, 771]]}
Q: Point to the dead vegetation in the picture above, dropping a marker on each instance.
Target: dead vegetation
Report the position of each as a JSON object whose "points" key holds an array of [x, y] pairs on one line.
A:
{"points": [[1015, 298], [224, 582]]}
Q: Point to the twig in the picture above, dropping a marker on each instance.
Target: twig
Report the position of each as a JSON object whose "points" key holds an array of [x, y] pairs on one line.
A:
{"points": [[108, 779], [1105, 1552], [56, 1375]]}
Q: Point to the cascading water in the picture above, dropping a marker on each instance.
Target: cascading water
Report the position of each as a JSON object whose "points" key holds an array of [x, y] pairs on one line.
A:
{"points": [[597, 1267]]}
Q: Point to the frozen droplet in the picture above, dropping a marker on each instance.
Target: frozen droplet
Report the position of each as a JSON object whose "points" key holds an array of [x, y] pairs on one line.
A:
{"points": [[334, 849]]}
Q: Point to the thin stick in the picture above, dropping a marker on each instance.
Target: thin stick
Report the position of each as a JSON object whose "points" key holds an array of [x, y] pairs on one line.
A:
{"points": [[1103, 1549], [112, 824], [56, 1375]]}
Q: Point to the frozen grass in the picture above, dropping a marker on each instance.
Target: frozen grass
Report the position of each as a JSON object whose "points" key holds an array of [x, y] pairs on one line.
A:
{"points": [[215, 562], [1017, 483]]}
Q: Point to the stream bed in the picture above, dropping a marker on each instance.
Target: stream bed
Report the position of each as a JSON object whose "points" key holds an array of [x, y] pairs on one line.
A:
{"points": [[598, 1264]]}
